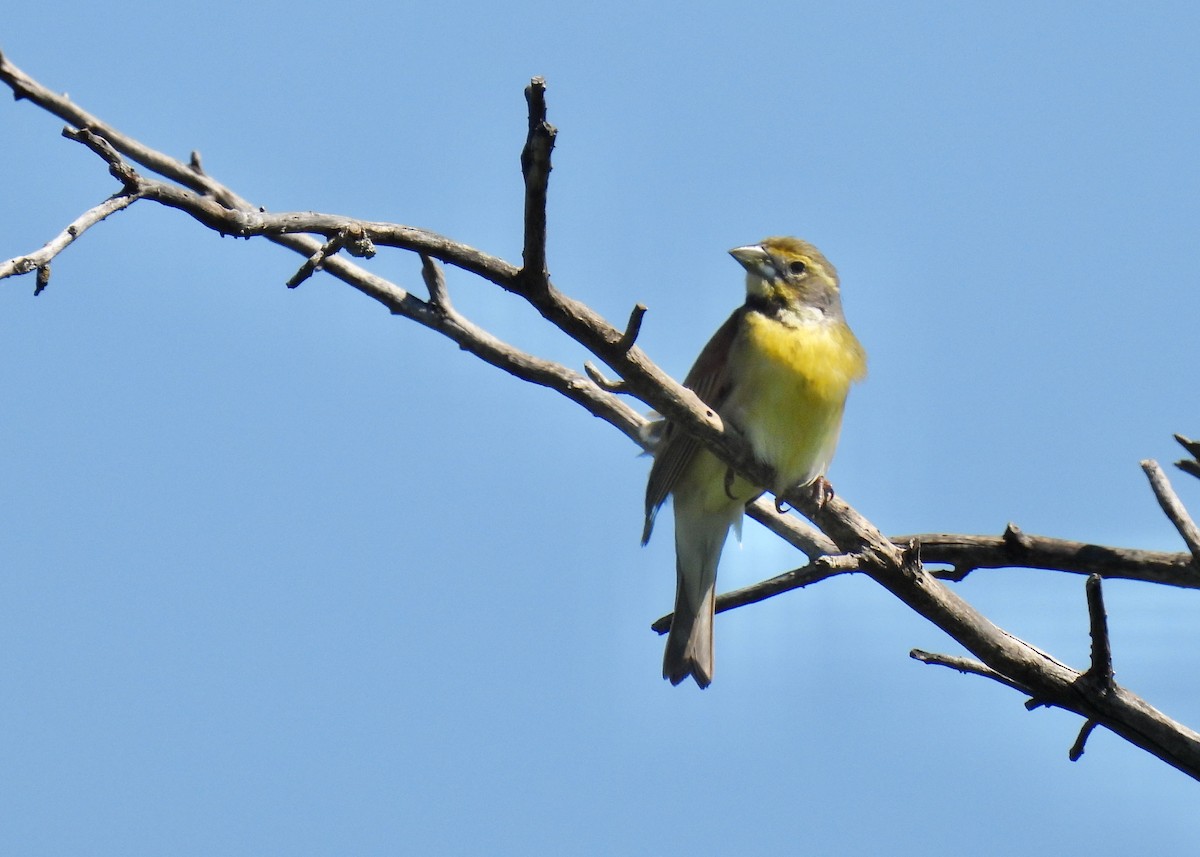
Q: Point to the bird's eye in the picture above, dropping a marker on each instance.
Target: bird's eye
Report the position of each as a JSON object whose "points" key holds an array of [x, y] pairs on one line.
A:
{"points": [[797, 268]]}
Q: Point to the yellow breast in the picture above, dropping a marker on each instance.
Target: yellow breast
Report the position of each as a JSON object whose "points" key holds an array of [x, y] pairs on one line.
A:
{"points": [[789, 392]]}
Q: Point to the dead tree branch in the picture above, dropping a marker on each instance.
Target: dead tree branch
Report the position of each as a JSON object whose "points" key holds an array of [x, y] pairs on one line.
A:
{"points": [[1189, 465], [39, 260], [966, 666], [1172, 506], [845, 541], [1018, 549]]}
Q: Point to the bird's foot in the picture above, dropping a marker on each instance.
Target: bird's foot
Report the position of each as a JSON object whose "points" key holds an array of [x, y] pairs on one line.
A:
{"points": [[822, 491]]}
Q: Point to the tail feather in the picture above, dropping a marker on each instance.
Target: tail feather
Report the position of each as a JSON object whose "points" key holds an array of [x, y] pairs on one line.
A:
{"points": [[698, 542], [690, 643]]}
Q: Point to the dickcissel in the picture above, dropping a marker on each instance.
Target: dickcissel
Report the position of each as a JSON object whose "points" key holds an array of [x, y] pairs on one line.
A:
{"points": [[778, 372]]}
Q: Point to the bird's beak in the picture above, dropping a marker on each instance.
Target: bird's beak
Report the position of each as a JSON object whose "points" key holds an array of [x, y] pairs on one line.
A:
{"points": [[752, 257]]}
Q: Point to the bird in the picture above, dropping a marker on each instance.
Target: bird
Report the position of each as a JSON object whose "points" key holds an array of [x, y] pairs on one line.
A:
{"points": [[778, 372]]}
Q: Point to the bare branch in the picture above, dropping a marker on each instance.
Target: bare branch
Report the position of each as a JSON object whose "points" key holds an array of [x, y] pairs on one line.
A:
{"points": [[117, 167], [633, 327], [435, 282], [1171, 505], [1017, 549], [819, 569], [314, 262], [601, 381], [351, 237], [1189, 465], [896, 567], [1085, 732], [222, 210], [227, 213], [965, 666], [39, 260], [248, 222], [1050, 682], [1101, 670], [25, 87], [535, 167]]}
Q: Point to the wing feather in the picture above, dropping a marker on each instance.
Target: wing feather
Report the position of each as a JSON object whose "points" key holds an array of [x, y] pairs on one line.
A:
{"points": [[708, 380]]}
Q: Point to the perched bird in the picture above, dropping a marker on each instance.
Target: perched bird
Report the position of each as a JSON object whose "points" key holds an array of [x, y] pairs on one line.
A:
{"points": [[777, 372]]}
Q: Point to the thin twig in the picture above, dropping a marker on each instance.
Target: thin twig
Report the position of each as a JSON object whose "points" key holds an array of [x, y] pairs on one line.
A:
{"points": [[535, 167], [285, 227], [1191, 465], [1085, 732], [435, 282], [117, 166], [314, 262], [41, 258], [821, 569], [1101, 670], [601, 381], [965, 666], [1172, 506], [633, 327], [25, 87]]}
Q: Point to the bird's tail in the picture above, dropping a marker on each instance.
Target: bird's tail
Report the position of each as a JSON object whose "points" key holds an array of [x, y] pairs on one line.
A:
{"points": [[699, 539]]}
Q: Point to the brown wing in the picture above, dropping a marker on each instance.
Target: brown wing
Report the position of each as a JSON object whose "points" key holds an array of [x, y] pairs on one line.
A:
{"points": [[675, 451]]}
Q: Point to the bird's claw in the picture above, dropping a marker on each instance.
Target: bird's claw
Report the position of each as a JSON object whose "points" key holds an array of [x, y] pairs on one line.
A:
{"points": [[822, 493]]}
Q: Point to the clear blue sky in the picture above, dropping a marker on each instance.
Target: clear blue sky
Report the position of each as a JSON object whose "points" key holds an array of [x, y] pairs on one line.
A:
{"points": [[280, 574]]}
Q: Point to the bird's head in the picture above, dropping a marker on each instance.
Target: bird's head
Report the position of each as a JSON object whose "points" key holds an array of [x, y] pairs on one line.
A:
{"points": [[791, 276]]}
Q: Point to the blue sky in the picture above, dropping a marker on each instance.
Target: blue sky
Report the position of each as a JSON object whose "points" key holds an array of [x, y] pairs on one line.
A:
{"points": [[284, 574]]}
